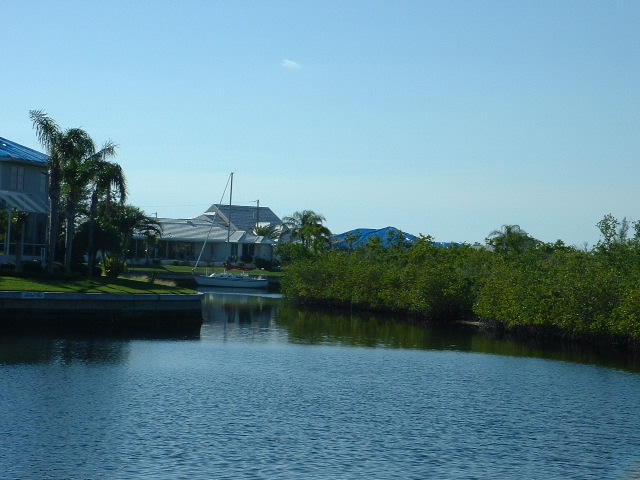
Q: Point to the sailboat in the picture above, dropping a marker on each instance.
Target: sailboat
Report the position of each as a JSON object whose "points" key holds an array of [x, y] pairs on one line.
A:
{"points": [[227, 279]]}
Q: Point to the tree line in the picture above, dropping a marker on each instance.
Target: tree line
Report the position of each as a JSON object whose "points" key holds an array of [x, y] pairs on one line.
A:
{"points": [[513, 281], [87, 201]]}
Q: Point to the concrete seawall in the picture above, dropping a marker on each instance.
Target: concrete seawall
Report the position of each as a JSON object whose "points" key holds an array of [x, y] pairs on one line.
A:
{"points": [[102, 312]]}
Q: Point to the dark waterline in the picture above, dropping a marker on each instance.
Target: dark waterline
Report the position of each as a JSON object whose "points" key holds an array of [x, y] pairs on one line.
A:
{"points": [[268, 391]]}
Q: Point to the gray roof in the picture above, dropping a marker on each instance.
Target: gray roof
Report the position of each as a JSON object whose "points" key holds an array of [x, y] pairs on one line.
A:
{"points": [[245, 217], [15, 151], [202, 228]]}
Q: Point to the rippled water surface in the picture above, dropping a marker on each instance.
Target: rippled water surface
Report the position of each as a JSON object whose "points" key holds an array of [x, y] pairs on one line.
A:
{"points": [[267, 392]]}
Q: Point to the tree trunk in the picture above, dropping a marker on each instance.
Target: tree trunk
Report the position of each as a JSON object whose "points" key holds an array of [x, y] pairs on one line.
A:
{"points": [[70, 230], [54, 213], [91, 256]]}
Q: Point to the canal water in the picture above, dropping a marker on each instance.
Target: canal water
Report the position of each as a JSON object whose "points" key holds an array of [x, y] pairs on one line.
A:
{"points": [[271, 392]]}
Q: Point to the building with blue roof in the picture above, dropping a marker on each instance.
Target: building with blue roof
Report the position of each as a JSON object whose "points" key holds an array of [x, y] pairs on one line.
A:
{"points": [[24, 187]]}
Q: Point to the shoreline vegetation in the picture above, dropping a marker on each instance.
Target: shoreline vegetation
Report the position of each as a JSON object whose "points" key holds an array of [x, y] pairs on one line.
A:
{"points": [[516, 285]]}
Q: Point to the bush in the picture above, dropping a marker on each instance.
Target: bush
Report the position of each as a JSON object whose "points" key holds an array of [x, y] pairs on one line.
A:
{"points": [[261, 263], [113, 267], [32, 266]]}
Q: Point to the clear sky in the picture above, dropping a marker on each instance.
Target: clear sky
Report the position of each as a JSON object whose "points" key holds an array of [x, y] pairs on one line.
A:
{"points": [[446, 118]]}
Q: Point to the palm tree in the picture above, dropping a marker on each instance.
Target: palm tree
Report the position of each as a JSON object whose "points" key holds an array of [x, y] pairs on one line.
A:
{"points": [[116, 232], [269, 231], [57, 143], [79, 171], [105, 176], [129, 221], [305, 226], [69, 153], [511, 239]]}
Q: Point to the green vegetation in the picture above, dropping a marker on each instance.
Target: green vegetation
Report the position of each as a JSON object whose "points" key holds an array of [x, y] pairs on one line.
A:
{"points": [[303, 236], [88, 192], [520, 283]]}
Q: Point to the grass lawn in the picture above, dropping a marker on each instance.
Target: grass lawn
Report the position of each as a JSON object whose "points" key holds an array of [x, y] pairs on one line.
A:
{"points": [[87, 285]]}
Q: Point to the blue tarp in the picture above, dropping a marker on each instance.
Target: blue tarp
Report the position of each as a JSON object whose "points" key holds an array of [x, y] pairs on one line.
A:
{"points": [[364, 236], [388, 235]]}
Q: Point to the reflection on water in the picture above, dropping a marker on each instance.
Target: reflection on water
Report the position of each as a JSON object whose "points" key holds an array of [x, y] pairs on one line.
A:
{"points": [[270, 391], [237, 315], [239, 307], [56, 350]]}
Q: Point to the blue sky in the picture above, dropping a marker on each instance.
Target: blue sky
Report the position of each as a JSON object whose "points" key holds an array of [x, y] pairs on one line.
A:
{"points": [[443, 118]]}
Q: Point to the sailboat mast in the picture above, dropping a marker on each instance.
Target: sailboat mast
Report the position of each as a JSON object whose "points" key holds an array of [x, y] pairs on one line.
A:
{"points": [[229, 218]]}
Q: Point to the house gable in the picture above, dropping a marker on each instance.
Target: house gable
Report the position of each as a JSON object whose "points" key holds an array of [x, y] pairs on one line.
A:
{"points": [[245, 217]]}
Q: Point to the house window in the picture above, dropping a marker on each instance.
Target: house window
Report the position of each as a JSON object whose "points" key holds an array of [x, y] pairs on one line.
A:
{"points": [[234, 252], [43, 182], [248, 251], [17, 178]]}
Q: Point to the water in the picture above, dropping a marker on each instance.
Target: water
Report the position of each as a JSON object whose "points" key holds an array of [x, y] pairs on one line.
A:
{"points": [[269, 392]]}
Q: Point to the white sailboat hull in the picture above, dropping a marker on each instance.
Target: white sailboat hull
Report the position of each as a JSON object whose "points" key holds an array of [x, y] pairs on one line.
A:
{"points": [[231, 280]]}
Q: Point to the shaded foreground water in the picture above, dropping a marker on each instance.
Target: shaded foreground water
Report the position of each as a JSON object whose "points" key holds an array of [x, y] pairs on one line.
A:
{"points": [[272, 392]]}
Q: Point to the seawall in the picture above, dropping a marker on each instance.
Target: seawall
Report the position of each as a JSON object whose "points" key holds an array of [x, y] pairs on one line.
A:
{"points": [[151, 314]]}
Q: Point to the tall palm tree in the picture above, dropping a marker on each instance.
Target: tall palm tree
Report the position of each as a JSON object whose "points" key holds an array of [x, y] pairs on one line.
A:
{"points": [[69, 152], [78, 172], [56, 142], [105, 177]]}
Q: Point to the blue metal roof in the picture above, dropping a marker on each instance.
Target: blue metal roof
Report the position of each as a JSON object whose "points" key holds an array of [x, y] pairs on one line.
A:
{"points": [[15, 151]]}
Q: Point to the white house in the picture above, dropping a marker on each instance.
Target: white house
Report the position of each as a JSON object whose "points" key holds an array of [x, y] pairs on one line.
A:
{"points": [[183, 239], [24, 186]]}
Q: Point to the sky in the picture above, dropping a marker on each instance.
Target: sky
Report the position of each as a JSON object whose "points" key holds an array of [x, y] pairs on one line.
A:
{"points": [[442, 118]]}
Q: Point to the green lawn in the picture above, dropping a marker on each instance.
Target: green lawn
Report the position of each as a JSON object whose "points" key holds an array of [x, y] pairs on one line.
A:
{"points": [[87, 285], [111, 285]]}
